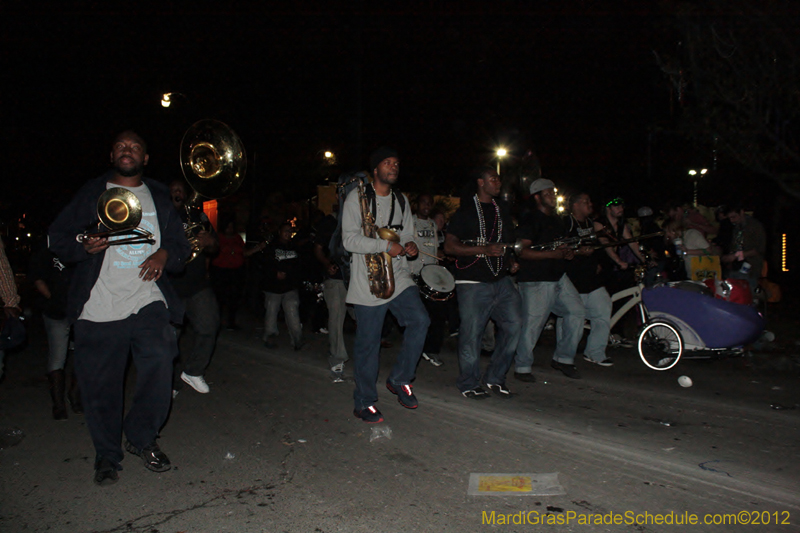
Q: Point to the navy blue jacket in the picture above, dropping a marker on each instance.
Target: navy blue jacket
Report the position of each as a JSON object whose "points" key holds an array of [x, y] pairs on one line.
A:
{"points": [[81, 214]]}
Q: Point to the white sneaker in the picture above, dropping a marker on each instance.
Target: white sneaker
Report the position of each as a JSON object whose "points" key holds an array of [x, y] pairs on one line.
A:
{"points": [[196, 382], [337, 373], [432, 359]]}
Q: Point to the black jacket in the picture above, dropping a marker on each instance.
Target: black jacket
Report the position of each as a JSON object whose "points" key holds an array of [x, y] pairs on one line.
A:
{"points": [[81, 213]]}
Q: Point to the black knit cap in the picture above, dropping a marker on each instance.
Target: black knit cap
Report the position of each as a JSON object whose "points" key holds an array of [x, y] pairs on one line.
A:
{"points": [[379, 155]]}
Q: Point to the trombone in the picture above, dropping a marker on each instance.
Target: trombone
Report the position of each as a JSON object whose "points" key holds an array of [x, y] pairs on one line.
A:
{"points": [[121, 212], [572, 242]]}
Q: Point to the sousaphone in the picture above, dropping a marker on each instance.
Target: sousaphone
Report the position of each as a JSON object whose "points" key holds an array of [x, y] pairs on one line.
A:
{"points": [[214, 163]]}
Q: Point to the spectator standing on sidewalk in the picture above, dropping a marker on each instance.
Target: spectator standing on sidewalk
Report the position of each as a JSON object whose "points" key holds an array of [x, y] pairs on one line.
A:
{"points": [[51, 280], [8, 293]]}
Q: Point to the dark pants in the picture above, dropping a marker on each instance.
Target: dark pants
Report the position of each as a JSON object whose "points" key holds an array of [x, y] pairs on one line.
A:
{"points": [[102, 350], [411, 315], [228, 283], [202, 315], [479, 302], [437, 311]]}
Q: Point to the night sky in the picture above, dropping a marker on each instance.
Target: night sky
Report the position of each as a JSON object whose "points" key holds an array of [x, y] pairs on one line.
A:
{"points": [[445, 82]]}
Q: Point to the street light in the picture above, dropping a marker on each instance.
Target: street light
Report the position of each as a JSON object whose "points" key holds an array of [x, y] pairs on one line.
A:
{"points": [[166, 98], [696, 175], [501, 153]]}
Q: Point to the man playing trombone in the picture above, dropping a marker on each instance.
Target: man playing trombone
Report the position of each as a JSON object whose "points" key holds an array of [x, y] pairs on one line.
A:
{"points": [[121, 303], [545, 286]]}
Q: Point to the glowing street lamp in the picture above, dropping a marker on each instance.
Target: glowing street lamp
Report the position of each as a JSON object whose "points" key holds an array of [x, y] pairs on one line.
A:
{"points": [[166, 98], [696, 175], [328, 157], [501, 153]]}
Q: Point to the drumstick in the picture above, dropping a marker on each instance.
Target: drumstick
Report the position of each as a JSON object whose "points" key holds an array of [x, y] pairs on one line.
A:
{"points": [[429, 255]]}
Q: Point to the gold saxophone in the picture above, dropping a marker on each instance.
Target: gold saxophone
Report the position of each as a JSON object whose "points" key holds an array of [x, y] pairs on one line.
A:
{"points": [[379, 266]]}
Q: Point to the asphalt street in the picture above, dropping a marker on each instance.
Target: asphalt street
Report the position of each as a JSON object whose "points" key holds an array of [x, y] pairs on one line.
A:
{"points": [[274, 447]]}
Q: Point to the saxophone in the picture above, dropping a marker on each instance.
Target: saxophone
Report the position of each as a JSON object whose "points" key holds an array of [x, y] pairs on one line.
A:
{"points": [[379, 266]]}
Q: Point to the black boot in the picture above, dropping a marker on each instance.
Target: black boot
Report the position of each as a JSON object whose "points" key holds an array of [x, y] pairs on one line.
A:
{"points": [[74, 394], [56, 379]]}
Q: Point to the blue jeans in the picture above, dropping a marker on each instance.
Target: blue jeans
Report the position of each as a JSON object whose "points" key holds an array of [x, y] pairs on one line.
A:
{"points": [[290, 301], [102, 350], [202, 315], [539, 299], [335, 295], [598, 312], [410, 314], [57, 331], [477, 303]]}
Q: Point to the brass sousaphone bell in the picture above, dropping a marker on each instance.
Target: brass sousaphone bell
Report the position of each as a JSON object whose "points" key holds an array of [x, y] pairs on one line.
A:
{"points": [[121, 212], [214, 163]]}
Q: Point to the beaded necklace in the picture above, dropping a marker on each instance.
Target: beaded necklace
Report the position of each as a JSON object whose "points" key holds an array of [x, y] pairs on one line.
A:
{"points": [[484, 239]]}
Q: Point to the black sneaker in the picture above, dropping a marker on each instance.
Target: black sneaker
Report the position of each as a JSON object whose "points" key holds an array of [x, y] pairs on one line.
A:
{"points": [[105, 473], [405, 396], [500, 390], [605, 362], [527, 377], [154, 459], [475, 394], [370, 415], [571, 371], [271, 342]]}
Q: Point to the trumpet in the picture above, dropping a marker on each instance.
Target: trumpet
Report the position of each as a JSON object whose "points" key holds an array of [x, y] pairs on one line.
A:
{"points": [[121, 212]]}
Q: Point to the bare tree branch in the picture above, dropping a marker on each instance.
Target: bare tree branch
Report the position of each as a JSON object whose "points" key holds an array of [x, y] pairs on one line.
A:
{"points": [[740, 68]]}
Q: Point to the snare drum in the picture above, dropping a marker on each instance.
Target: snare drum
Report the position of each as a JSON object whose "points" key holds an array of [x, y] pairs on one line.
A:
{"points": [[436, 283]]}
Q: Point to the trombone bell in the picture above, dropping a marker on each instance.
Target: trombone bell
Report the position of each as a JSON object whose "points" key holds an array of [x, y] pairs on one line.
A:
{"points": [[121, 212]]}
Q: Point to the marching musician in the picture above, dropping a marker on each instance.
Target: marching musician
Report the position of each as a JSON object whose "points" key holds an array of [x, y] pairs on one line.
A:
{"points": [[426, 236], [281, 286], [545, 286], [483, 286], [389, 209], [194, 288], [121, 303], [584, 272]]}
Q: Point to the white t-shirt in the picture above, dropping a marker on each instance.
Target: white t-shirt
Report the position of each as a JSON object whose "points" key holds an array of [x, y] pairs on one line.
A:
{"points": [[119, 292], [427, 240], [693, 240]]}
